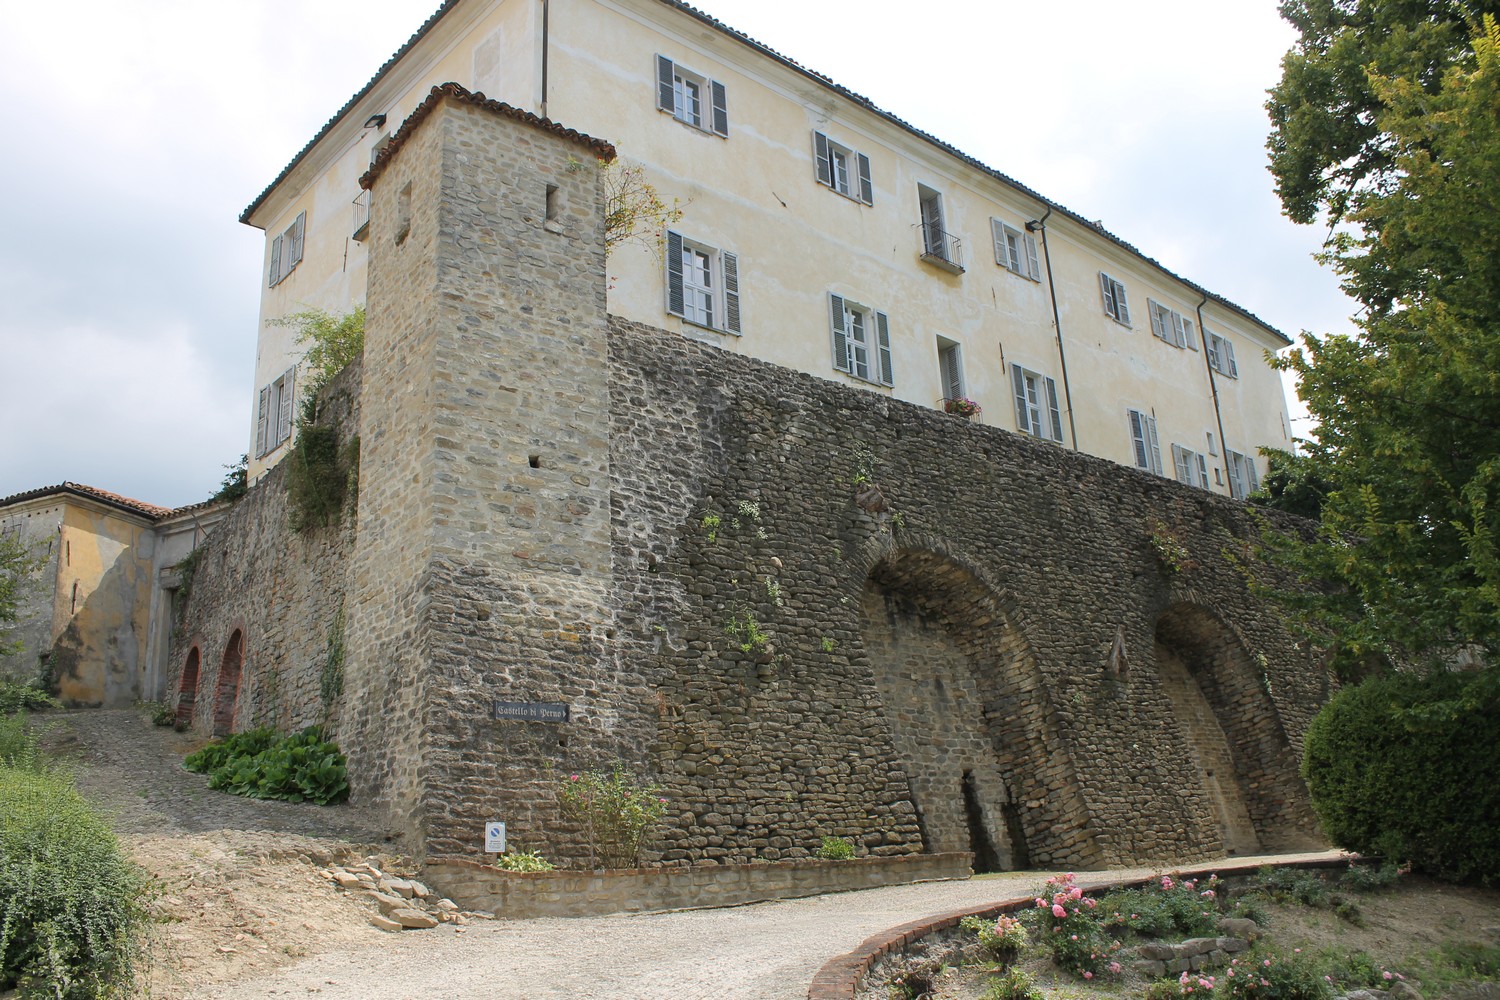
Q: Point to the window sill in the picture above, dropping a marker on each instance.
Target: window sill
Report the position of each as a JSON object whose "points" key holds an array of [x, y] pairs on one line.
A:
{"points": [[942, 263], [700, 129], [691, 328]]}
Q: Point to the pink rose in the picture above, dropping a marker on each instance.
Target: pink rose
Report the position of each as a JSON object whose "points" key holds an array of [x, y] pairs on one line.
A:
{"points": [[1058, 911], [1114, 968], [1076, 893]]}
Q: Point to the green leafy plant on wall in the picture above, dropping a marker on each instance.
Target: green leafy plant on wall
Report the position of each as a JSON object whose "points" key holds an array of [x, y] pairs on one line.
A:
{"points": [[747, 631], [616, 814], [331, 683], [1170, 549]]}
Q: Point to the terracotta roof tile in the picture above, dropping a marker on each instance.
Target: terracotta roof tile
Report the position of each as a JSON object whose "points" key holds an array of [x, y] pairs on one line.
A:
{"points": [[453, 91], [150, 510]]}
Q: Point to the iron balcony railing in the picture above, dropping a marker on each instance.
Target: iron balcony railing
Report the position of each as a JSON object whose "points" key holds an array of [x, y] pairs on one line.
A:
{"points": [[941, 249], [361, 214]]}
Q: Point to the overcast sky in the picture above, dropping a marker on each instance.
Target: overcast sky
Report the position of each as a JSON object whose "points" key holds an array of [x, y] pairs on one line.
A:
{"points": [[137, 130]]}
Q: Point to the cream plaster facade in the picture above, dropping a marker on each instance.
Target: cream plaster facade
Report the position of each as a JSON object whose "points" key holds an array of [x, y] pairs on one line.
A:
{"points": [[755, 193]]}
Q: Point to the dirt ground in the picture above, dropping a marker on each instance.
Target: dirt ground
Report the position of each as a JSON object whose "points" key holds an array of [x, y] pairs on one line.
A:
{"points": [[239, 889], [1401, 929]]}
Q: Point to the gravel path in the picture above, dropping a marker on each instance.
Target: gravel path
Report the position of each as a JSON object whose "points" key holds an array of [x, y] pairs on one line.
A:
{"points": [[769, 951]]}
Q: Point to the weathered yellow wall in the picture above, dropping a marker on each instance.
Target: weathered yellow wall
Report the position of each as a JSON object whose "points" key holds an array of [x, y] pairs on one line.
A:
{"points": [[100, 628]]}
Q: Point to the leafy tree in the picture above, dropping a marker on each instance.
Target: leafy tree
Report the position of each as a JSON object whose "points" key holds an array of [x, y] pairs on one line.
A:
{"points": [[633, 209], [1327, 139], [18, 561], [236, 480], [1408, 411], [329, 343]]}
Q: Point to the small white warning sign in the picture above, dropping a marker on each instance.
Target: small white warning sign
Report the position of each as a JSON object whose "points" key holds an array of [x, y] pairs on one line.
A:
{"points": [[494, 838]]}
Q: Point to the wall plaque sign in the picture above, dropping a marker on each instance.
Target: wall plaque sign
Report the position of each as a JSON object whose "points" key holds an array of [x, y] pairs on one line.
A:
{"points": [[531, 711]]}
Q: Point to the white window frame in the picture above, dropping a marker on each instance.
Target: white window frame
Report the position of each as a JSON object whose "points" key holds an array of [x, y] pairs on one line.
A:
{"points": [[692, 98], [842, 169], [1244, 477], [723, 285], [273, 418], [1191, 467], [1170, 326], [1035, 396], [1145, 447], [286, 250], [1116, 305], [1015, 250], [861, 341], [1221, 355]]}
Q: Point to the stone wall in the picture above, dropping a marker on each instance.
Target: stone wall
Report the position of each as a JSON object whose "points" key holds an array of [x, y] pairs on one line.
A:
{"points": [[801, 607], [279, 591]]}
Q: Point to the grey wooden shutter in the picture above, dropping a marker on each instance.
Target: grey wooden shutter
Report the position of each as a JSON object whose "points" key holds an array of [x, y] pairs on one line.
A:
{"points": [[1155, 447], [1107, 286], [1154, 310], [1054, 410], [1138, 439], [953, 376], [997, 233], [840, 334], [866, 186], [284, 419], [262, 412], [1182, 466], [275, 260], [1034, 268], [1018, 383], [299, 228], [1124, 316], [675, 303], [1234, 369], [665, 99], [731, 292], [824, 161], [883, 342], [1190, 330], [1202, 472], [1179, 330], [1236, 486], [721, 108]]}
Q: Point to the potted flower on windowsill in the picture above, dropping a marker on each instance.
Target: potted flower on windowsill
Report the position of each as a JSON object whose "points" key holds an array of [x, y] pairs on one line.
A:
{"points": [[961, 407]]}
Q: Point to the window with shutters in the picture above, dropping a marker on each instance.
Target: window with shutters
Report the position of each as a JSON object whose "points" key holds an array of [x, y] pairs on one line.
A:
{"points": [[703, 284], [843, 169], [1037, 412], [1171, 326], [691, 98], [286, 250], [273, 422], [1143, 441], [1244, 479], [1015, 250], [1191, 466], [1115, 305], [1221, 356], [939, 247], [861, 341], [951, 368]]}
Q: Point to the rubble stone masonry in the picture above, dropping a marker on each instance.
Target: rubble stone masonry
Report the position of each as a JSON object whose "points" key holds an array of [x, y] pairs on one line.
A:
{"points": [[803, 608]]}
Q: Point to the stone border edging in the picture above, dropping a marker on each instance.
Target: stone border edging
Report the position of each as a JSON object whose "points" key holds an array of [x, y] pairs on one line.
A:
{"points": [[840, 977]]}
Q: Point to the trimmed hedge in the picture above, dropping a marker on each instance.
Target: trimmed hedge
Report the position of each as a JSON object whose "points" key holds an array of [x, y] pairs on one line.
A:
{"points": [[72, 912], [1403, 766]]}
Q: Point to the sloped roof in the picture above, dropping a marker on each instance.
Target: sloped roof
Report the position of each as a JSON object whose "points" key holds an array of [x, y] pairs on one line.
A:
{"points": [[149, 510], [438, 94], [826, 81]]}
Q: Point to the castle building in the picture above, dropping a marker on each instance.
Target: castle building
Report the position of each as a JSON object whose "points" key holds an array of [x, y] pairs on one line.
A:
{"points": [[816, 232]]}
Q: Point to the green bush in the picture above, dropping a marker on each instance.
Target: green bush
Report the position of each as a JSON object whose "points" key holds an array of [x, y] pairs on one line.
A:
{"points": [[72, 912], [1167, 907], [260, 765], [835, 849], [615, 813], [1012, 984], [524, 861], [1267, 975], [1391, 766], [24, 698], [1001, 940], [1369, 878], [18, 745]]}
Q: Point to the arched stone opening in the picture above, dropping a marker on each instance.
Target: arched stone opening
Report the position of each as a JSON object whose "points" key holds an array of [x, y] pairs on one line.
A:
{"points": [[1241, 757], [228, 691], [965, 704], [187, 691]]}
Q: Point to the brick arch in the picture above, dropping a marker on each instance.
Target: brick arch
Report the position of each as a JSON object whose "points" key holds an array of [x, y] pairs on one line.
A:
{"points": [[187, 689], [227, 690], [967, 707], [1230, 723]]}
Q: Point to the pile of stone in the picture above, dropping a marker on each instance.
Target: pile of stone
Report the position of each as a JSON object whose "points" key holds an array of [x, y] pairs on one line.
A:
{"points": [[405, 903], [1196, 954]]}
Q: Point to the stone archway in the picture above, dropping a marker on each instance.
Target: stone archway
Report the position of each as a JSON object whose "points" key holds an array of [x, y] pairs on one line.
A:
{"points": [[965, 704], [1241, 757], [187, 693], [228, 689]]}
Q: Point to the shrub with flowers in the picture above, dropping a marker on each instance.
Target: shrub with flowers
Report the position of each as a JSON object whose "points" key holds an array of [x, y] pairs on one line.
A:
{"points": [[961, 406], [1064, 922], [1168, 906], [1001, 940], [1267, 975], [616, 813]]}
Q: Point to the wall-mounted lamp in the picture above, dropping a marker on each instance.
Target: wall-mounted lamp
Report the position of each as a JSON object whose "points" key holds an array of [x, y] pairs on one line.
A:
{"points": [[375, 121]]}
